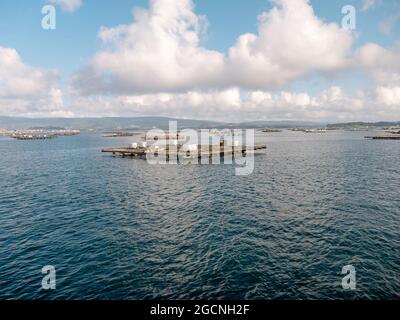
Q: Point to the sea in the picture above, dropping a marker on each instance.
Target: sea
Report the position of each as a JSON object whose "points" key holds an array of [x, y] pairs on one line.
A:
{"points": [[123, 229]]}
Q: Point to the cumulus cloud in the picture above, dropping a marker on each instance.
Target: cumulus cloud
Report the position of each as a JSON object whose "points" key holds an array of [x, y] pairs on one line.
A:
{"points": [[382, 64], [19, 80], [161, 51], [157, 65], [388, 96], [236, 105], [291, 42], [25, 89], [29, 91], [68, 5]]}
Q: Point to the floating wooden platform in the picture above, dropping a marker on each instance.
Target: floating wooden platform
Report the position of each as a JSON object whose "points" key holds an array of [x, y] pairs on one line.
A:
{"points": [[268, 130], [384, 137], [120, 134], [173, 151], [25, 137]]}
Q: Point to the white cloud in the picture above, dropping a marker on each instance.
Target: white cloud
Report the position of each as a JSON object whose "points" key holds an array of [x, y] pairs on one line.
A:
{"points": [[235, 105], [291, 42], [157, 66], [161, 51], [68, 5], [389, 96], [19, 80], [382, 64], [369, 4], [29, 91], [25, 89]]}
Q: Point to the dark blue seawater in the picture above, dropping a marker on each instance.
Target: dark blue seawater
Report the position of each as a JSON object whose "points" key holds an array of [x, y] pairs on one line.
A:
{"points": [[122, 229]]}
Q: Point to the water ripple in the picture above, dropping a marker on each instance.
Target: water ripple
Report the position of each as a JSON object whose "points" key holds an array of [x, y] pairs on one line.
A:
{"points": [[122, 229]]}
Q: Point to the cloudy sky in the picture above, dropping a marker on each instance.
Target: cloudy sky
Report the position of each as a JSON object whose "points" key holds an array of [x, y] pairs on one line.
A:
{"points": [[204, 59]]}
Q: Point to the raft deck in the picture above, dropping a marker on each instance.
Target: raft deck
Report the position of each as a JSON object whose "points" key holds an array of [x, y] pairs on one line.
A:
{"points": [[384, 137], [25, 137], [201, 152]]}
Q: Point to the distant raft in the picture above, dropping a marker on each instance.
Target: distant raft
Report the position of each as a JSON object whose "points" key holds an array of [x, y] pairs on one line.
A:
{"points": [[34, 137], [384, 137]]}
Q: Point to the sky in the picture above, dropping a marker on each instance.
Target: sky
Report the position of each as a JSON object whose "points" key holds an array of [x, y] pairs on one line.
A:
{"points": [[203, 59]]}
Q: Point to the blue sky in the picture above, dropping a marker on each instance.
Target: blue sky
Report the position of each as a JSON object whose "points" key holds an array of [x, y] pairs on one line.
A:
{"points": [[75, 42]]}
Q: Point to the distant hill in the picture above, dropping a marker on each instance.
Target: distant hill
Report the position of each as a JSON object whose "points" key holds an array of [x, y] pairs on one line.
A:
{"points": [[280, 124], [137, 123], [352, 125], [146, 123], [101, 124]]}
